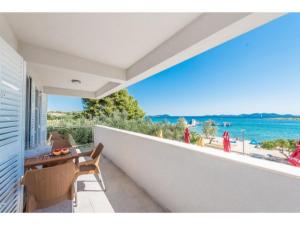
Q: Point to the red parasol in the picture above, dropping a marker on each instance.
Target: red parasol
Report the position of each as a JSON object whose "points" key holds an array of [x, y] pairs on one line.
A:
{"points": [[187, 135], [226, 142], [294, 158]]}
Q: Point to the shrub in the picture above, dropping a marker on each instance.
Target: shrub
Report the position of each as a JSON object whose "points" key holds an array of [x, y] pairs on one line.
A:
{"points": [[291, 144], [81, 128], [209, 129], [81, 135], [194, 137], [268, 145], [283, 144]]}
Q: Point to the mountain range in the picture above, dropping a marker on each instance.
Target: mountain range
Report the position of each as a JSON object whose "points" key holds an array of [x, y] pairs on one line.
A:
{"points": [[252, 115]]}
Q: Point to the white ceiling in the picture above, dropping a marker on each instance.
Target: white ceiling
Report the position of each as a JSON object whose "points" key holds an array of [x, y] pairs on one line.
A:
{"points": [[60, 78], [117, 39]]}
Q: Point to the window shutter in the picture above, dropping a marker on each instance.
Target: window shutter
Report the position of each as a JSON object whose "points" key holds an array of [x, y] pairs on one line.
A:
{"points": [[32, 116], [12, 111], [43, 111]]}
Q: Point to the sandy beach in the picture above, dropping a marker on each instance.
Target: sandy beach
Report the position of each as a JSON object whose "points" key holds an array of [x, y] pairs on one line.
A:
{"points": [[250, 150]]}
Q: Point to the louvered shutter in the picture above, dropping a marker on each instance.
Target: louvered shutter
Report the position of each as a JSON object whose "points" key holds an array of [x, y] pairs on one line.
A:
{"points": [[43, 110], [32, 117], [12, 111]]}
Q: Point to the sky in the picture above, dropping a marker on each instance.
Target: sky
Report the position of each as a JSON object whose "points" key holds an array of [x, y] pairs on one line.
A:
{"points": [[256, 72], [64, 103]]}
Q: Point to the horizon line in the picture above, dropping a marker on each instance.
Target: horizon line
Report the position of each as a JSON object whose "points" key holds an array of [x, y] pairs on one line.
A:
{"points": [[281, 114], [171, 115]]}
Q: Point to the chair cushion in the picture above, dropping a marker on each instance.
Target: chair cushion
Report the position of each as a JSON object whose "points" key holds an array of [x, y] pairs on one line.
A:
{"points": [[87, 168]]}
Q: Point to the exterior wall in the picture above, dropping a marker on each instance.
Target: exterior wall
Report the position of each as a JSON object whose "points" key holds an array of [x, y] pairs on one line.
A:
{"points": [[36, 77], [6, 33], [186, 178]]}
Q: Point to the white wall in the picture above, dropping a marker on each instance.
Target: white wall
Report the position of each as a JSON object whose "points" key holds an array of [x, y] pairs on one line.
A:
{"points": [[186, 178], [6, 32]]}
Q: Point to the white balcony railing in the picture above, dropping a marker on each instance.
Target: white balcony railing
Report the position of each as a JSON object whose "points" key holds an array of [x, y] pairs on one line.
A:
{"points": [[186, 178]]}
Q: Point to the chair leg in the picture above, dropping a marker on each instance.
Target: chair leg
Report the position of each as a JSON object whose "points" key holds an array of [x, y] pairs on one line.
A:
{"points": [[101, 179]]}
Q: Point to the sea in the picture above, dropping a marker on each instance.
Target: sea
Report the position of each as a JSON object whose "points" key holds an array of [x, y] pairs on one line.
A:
{"points": [[257, 129]]}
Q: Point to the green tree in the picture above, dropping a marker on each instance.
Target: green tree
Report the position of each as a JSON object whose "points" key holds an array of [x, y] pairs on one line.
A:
{"points": [[182, 122], [209, 129], [268, 145], [119, 102], [284, 146]]}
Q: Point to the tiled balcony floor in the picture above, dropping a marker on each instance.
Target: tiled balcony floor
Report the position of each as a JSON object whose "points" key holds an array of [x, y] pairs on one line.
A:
{"points": [[121, 195]]}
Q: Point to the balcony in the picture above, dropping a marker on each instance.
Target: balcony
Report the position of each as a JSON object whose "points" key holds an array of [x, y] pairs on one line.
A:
{"points": [[122, 194], [149, 174]]}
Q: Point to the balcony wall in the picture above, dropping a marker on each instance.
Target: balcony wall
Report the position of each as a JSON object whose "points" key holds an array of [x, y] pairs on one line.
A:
{"points": [[186, 178]]}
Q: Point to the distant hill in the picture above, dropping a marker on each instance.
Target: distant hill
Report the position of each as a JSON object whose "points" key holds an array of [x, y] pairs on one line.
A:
{"points": [[163, 115], [252, 115], [60, 115], [261, 115]]}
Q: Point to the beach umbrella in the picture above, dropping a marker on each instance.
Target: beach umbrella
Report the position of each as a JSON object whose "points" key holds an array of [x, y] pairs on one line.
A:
{"points": [[229, 145], [253, 142], [294, 158], [187, 135], [226, 141]]}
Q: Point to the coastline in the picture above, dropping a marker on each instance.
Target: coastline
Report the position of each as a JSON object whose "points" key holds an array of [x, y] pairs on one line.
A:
{"points": [[258, 129], [249, 149], [282, 118]]}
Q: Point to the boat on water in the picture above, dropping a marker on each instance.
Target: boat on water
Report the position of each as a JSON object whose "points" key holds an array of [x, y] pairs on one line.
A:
{"points": [[226, 124], [194, 123], [223, 124]]}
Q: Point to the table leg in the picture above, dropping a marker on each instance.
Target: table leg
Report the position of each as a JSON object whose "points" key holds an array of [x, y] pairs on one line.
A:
{"points": [[75, 189], [77, 161]]}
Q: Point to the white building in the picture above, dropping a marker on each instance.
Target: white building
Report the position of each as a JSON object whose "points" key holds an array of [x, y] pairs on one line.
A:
{"points": [[40, 53]]}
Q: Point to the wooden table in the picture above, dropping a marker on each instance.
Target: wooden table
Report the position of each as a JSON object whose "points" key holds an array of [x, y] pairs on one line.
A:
{"points": [[51, 159]]}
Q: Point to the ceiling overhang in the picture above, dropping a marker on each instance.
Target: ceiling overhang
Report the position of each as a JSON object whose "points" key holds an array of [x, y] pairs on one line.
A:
{"points": [[194, 34]]}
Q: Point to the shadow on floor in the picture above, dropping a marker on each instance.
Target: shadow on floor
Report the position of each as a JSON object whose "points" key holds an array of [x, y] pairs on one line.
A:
{"points": [[121, 195]]}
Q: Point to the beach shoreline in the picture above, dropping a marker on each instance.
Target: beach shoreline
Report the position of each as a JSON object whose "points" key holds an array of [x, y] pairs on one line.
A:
{"points": [[257, 129], [249, 149]]}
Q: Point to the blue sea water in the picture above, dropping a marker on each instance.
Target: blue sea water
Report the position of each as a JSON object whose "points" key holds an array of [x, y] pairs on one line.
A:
{"points": [[259, 129]]}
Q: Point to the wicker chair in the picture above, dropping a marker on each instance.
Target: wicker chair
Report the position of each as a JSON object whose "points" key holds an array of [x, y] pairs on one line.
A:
{"points": [[48, 186], [92, 166]]}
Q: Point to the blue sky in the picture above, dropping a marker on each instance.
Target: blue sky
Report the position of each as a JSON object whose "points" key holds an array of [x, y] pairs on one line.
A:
{"points": [[64, 103], [256, 72]]}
